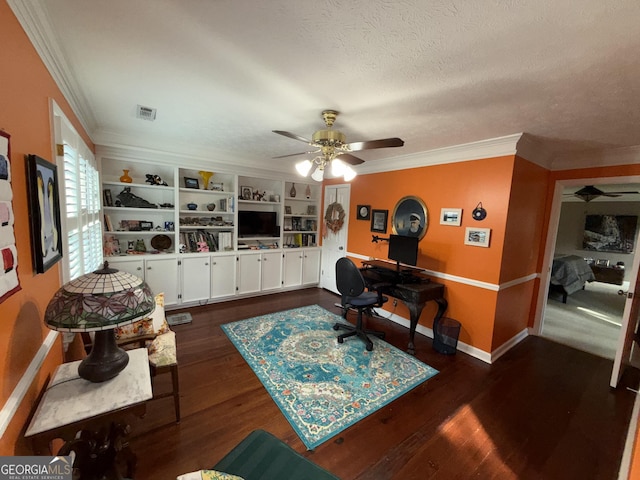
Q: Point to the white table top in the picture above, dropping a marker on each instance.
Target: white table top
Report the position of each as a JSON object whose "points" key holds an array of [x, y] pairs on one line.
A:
{"points": [[69, 398]]}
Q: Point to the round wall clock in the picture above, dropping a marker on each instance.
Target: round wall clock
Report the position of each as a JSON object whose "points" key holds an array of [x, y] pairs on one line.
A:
{"points": [[363, 212]]}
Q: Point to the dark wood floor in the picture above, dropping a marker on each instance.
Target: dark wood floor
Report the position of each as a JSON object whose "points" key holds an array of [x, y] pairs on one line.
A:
{"points": [[542, 411]]}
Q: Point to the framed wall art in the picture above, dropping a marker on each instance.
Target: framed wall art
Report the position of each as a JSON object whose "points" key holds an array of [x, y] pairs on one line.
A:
{"points": [[379, 220], [451, 216], [191, 183], [410, 217], [610, 233], [44, 213], [478, 237], [363, 212], [9, 281]]}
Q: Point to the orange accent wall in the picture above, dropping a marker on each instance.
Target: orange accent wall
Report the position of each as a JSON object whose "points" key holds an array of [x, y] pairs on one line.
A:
{"points": [[26, 89]]}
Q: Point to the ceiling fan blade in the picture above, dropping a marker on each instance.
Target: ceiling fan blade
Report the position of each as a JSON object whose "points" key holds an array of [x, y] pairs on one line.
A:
{"points": [[382, 143], [611, 194], [296, 154], [620, 193], [291, 135], [350, 159]]}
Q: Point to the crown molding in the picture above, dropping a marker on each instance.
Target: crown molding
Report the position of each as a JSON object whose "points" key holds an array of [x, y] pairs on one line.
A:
{"points": [[37, 27]]}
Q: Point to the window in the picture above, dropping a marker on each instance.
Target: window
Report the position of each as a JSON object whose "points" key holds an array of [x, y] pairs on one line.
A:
{"points": [[80, 205]]}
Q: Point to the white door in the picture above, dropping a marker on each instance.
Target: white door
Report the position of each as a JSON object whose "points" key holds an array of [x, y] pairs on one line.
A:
{"points": [[223, 275], [134, 267], [271, 270], [249, 273], [292, 268], [334, 244], [310, 266], [196, 276], [630, 319], [162, 276]]}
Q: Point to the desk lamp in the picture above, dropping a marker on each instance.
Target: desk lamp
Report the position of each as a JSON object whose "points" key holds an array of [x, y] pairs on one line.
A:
{"points": [[99, 302]]}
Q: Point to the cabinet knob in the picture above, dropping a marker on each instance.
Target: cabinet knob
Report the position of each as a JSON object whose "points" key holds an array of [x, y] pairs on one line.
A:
{"points": [[148, 268], [139, 268], [215, 263], [206, 263]]}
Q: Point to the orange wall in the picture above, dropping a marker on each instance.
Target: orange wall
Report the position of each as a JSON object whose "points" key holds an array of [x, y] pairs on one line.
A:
{"points": [[24, 97]]}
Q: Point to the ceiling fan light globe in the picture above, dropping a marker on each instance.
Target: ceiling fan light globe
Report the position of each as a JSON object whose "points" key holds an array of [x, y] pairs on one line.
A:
{"points": [[318, 174], [303, 167], [338, 168], [349, 173]]}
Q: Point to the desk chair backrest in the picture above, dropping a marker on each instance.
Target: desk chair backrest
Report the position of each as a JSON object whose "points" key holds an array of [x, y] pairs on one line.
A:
{"points": [[349, 280]]}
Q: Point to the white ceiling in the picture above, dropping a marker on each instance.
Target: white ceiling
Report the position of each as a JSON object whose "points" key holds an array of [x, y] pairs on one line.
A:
{"points": [[437, 73]]}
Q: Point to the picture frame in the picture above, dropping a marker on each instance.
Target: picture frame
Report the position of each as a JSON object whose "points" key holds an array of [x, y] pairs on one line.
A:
{"points": [[190, 182], [478, 237], [379, 220], [363, 212], [217, 187], [410, 217], [602, 262], [44, 213], [287, 210], [311, 210], [451, 216], [246, 193], [146, 226]]}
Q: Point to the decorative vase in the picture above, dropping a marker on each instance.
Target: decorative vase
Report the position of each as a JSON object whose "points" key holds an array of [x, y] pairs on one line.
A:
{"points": [[292, 192], [192, 206], [205, 178], [307, 192], [125, 178], [211, 207]]}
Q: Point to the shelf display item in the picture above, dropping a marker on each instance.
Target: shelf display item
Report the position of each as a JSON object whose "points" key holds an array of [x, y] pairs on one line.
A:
{"points": [[292, 192], [205, 178], [161, 242], [125, 178]]}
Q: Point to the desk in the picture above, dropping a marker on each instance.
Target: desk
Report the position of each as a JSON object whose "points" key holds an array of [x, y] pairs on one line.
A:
{"points": [[71, 404], [413, 295]]}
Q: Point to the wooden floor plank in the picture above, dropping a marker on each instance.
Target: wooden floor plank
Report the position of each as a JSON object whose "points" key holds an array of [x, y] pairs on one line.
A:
{"points": [[541, 411]]}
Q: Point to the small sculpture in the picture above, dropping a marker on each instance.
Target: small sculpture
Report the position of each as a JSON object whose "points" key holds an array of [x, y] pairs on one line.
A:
{"points": [[155, 180], [128, 199]]}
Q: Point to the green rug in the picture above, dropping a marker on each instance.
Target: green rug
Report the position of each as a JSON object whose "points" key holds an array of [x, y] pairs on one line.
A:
{"points": [[322, 387]]}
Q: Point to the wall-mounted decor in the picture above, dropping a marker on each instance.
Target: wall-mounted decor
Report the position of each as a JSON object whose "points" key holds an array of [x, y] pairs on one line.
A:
{"points": [[44, 213], [610, 233], [451, 216], [479, 213], [9, 282], [363, 212], [478, 237], [410, 217], [379, 220], [191, 183]]}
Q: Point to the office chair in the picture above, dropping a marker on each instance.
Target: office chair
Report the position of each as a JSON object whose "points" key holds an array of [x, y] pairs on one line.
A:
{"points": [[351, 286]]}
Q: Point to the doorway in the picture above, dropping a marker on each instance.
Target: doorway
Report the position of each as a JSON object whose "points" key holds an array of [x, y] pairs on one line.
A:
{"points": [[334, 241], [591, 318]]}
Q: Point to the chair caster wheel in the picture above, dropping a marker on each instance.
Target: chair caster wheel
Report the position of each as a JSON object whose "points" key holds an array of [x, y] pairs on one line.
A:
{"points": [[369, 347], [336, 327], [340, 340]]}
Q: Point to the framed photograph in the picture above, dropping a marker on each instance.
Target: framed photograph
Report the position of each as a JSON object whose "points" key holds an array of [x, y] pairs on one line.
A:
{"points": [[218, 187], [287, 209], [610, 233], [44, 213], [146, 226], [451, 216], [478, 237], [311, 210], [108, 199], [191, 183], [247, 193], [363, 212], [602, 262], [379, 220], [410, 217]]}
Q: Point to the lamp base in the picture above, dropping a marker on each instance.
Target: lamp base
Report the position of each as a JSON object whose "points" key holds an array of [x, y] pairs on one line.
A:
{"points": [[106, 359]]}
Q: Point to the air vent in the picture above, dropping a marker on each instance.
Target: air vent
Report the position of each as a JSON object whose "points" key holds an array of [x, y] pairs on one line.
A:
{"points": [[146, 113]]}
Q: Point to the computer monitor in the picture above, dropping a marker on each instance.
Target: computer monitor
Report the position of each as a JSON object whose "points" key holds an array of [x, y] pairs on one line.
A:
{"points": [[403, 250]]}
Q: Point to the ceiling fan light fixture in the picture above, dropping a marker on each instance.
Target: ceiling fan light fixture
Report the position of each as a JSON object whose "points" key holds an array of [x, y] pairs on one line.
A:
{"points": [[304, 167], [318, 174], [338, 168], [349, 173]]}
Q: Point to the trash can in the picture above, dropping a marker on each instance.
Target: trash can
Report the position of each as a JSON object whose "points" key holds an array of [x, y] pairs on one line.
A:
{"points": [[445, 335]]}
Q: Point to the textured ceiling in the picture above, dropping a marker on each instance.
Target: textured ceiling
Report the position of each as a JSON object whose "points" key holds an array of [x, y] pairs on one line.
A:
{"points": [[436, 73]]}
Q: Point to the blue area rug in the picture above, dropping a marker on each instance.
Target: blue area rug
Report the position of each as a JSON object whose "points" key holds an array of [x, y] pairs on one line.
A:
{"points": [[321, 386]]}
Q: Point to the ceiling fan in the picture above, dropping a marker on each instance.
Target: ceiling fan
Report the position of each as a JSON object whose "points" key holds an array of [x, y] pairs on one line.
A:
{"points": [[330, 145], [589, 192]]}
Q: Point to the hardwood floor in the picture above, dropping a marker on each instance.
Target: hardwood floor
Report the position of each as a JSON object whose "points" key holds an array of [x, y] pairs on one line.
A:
{"points": [[542, 411]]}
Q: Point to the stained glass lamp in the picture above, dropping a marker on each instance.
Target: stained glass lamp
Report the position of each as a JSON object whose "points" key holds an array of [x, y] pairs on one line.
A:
{"points": [[99, 302]]}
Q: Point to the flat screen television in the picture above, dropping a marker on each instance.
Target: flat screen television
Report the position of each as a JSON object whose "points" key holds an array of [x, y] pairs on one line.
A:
{"points": [[403, 250], [257, 224]]}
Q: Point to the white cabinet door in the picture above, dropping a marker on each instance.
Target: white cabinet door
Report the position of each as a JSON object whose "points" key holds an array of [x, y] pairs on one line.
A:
{"points": [[196, 277], [161, 274], [292, 268], [223, 275], [249, 272], [311, 266], [271, 270], [134, 267]]}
